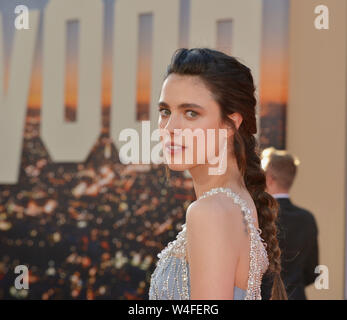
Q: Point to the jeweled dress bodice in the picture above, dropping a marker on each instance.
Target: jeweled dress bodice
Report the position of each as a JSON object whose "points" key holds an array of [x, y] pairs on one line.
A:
{"points": [[171, 280]]}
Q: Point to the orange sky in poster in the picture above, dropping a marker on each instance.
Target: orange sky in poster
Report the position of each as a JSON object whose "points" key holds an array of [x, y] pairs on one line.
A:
{"points": [[273, 76]]}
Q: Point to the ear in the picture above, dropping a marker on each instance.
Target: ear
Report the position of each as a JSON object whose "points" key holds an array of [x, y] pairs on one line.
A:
{"points": [[237, 118]]}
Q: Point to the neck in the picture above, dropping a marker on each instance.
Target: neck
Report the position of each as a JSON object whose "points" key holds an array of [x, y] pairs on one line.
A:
{"points": [[231, 178]]}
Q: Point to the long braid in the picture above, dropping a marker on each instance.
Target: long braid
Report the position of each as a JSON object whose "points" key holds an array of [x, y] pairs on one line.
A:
{"points": [[248, 158]]}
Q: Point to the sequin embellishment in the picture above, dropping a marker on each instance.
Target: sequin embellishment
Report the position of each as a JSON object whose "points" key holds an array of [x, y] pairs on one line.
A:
{"points": [[172, 263]]}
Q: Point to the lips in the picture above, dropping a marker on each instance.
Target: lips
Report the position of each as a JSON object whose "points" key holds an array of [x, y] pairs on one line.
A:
{"points": [[173, 145], [173, 148]]}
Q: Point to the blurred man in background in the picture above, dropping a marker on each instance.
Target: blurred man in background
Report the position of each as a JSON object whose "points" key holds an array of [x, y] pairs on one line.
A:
{"points": [[297, 228]]}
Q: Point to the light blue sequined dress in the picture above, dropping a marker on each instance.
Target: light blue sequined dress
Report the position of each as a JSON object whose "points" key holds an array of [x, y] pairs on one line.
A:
{"points": [[171, 280]]}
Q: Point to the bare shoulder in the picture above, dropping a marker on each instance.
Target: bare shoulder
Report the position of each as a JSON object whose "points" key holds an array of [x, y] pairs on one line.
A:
{"points": [[217, 215], [214, 244]]}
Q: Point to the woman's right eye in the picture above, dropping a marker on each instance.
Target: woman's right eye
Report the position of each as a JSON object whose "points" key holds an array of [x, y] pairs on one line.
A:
{"points": [[162, 112]]}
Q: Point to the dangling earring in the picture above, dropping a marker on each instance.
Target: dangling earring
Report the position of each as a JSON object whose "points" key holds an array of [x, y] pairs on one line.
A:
{"points": [[221, 163]]}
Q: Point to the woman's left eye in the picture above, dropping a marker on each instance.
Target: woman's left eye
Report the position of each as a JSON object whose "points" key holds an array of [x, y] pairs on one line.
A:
{"points": [[195, 114]]}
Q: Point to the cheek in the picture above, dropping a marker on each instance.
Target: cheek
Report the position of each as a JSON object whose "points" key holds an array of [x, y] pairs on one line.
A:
{"points": [[163, 134], [161, 123], [208, 143], [211, 144], [161, 127]]}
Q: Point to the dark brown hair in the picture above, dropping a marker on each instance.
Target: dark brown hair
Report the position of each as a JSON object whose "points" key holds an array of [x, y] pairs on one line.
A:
{"points": [[231, 84]]}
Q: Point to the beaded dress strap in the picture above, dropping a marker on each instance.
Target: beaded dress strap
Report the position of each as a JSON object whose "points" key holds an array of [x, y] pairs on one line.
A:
{"points": [[253, 287]]}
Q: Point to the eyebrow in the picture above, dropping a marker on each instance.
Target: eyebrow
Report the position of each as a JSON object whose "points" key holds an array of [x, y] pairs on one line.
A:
{"points": [[182, 105]]}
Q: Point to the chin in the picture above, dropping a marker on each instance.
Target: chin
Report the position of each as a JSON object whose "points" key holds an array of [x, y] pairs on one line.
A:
{"points": [[179, 167]]}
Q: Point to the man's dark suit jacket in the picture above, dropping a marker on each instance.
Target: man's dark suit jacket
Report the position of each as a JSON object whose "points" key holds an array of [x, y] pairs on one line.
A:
{"points": [[297, 235]]}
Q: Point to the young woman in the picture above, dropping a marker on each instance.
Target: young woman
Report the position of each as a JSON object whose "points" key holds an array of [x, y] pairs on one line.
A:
{"points": [[219, 254]]}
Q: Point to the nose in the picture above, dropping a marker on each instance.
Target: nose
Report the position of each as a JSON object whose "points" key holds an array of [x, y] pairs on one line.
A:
{"points": [[172, 127], [173, 122]]}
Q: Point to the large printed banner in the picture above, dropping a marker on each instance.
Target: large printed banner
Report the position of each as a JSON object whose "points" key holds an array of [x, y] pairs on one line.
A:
{"points": [[75, 75]]}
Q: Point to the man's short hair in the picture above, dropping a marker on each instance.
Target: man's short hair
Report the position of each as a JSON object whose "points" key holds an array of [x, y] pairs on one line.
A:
{"points": [[281, 165]]}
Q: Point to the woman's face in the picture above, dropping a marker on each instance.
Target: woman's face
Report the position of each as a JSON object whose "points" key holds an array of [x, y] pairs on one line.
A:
{"points": [[185, 103]]}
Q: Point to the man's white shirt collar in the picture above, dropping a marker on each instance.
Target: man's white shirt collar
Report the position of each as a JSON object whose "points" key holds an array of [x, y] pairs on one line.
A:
{"points": [[280, 195]]}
